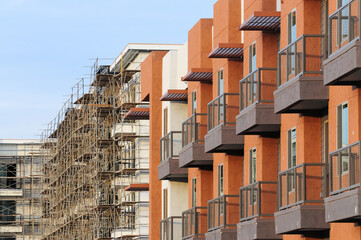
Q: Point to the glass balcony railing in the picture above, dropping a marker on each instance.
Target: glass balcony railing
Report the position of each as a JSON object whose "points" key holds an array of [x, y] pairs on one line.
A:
{"points": [[194, 129], [170, 145], [223, 110], [301, 185], [193, 221], [257, 87], [223, 212], [171, 228], [344, 25], [257, 200], [302, 57], [344, 168]]}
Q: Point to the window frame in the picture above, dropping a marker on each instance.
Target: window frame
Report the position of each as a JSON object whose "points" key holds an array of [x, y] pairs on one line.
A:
{"points": [[220, 76], [340, 131], [194, 192], [220, 180], [194, 102], [292, 163]]}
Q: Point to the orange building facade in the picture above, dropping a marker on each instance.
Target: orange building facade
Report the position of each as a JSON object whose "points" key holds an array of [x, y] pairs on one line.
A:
{"points": [[255, 127]]}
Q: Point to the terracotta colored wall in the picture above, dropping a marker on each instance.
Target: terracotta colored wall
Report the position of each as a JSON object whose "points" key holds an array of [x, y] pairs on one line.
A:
{"points": [[151, 70]]}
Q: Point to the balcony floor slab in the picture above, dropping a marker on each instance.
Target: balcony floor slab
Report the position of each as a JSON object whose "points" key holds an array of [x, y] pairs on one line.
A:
{"points": [[193, 155], [257, 229], [224, 139], [222, 234]]}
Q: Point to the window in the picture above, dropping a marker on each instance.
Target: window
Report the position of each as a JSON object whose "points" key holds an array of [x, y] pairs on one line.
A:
{"points": [[165, 121], [8, 212], [292, 157], [194, 192], [194, 101], [344, 19], [165, 203], [252, 57], [8, 176], [253, 165], [342, 134], [220, 82], [292, 38], [220, 180]]}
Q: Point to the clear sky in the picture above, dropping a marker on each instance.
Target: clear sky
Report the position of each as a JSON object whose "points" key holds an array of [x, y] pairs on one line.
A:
{"points": [[46, 46]]}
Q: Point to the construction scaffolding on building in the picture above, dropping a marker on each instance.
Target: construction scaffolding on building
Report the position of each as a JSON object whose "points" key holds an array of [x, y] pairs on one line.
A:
{"points": [[20, 186], [96, 158]]}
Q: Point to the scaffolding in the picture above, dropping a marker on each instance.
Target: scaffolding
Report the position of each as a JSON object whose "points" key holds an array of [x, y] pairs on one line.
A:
{"points": [[96, 162], [20, 178]]}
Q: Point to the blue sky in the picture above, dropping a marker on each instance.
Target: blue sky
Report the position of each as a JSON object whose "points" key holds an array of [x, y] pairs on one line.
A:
{"points": [[46, 46]]}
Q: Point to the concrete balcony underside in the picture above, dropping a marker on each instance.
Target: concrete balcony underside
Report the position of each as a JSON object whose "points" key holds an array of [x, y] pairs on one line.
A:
{"points": [[308, 220], [222, 234], [193, 155], [343, 67], [257, 229], [170, 170], [258, 119], [223, 139], [303, 94], [344, 207]]}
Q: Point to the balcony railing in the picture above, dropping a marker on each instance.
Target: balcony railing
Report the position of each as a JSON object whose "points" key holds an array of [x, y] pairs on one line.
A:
{"points": [[171, 228], [302, 57], [257, 87], [170, 145], [344, 168], [193, 221], [257, 200], [223, 212], [344, 25], [194, 129], [301, 184], [223, 110]]}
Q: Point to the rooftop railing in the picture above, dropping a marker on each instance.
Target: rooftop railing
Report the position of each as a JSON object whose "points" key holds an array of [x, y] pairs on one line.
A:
{"points": [[193, 221], [223, 212], [171, 228], [257, 87], [258, 200], [194, 129], [344, 168], [302, 57], [223, 110], [300, 185], [170, 145], [344, 25]]}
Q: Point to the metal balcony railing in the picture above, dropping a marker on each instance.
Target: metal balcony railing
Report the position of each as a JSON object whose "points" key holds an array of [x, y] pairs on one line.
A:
{"points": [[223, 212], [193, 221], [170, 145], [194, 129], [300, 185], [344, 168], [302, 57], [171, 228], [257, 200], [344, 25], [223, 110], [257, 87]]}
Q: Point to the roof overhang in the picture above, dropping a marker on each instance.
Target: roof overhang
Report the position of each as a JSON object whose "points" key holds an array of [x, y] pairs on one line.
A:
{"points": [[175, 95], [262, 21], [228, 50], [137, 187], [137, 114], [204, 75]]}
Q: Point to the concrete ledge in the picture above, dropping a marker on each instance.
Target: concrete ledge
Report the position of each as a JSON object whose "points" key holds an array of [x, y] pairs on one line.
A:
{"points": [[223, 139], [258, 119], [222, 234], [170, 170], [301, 219], [344, 207], [257, 229], [193, 155]]}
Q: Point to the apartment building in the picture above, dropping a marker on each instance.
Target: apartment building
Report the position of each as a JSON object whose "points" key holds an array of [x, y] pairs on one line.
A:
{"points": [[20, 186], [96, 155], [271, 142]]}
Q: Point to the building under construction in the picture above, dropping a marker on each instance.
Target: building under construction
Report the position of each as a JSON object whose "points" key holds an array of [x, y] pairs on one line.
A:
{"points": [[20, 185], [95, 157]]}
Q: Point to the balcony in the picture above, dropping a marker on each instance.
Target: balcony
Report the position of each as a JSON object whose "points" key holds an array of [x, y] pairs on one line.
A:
{"points": [[223, 215], [194, 223], [192, 153], [171, 228], [221, 135], [169, 169], [300, 207], [258, 202], [344, 202], [257, 115], [300, 78], [343, 66]]}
